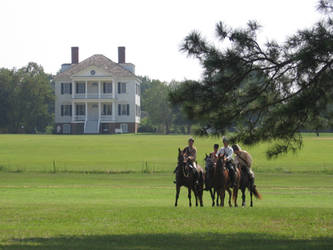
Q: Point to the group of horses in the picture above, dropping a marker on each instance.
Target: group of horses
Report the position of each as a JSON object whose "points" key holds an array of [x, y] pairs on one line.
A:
{"points": [[217, 183]]}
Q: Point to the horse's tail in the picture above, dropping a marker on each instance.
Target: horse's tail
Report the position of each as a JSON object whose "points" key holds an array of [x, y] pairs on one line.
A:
{"points": [[256, 193]]}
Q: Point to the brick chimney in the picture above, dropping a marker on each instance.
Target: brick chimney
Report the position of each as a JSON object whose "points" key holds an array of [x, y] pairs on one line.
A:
{"points": [[75, 55], [121, 54]]}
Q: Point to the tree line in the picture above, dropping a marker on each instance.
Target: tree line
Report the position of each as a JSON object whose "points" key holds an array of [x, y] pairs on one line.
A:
{"points": [[27, 103], [26, 100]]}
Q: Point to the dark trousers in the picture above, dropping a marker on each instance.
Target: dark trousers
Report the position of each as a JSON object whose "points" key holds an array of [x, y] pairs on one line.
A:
{"points": [[231, 170]]}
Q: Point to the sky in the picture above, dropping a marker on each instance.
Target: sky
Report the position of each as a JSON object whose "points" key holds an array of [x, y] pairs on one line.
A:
{"points": [[43, 31]]}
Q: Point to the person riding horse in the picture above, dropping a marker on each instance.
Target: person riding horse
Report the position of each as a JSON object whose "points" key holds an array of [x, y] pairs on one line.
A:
{"points": [[243, 160], [227, 153], [190, 154]]}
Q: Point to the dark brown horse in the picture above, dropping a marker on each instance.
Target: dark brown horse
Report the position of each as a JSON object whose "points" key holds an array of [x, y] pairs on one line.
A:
{"points": [[247, 182], [223, 182], [210, 179], [185, 176]]}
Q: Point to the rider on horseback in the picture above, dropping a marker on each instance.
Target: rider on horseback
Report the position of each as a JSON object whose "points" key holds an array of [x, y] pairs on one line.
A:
{"points": [[227, 153], [190, 155], [243, 160]]}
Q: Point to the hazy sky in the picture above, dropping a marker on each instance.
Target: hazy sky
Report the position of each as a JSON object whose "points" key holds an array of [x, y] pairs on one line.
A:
{"points": [[152, 31]]}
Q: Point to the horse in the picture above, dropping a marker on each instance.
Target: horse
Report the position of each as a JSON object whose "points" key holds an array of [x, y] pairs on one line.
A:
{"points": [[186, 177], [210, 183], [223, 182], [247, 182]]}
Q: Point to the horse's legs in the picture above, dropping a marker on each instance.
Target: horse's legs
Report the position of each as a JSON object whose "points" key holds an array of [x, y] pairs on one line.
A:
{"points": [[177, 194], [222, 197], [189, 197], [213, 197], [229, 192], [235, 196], [200, 198], [243, 197], [217, 197], [251, 204]]}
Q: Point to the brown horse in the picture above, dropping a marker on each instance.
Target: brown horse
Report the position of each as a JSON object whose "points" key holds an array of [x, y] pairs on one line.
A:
{"points": [[185, 176], [223, 182], [210, 177], [247, 182]]}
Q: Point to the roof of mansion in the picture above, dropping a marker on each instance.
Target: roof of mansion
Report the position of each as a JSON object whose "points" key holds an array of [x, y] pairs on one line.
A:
{"points": [[98, 61]]}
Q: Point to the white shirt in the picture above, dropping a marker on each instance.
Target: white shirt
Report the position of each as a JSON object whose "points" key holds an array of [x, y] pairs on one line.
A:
{"points": [[227, 152]]}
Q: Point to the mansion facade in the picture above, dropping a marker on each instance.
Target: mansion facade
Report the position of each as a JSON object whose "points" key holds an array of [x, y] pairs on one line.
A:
{"points": [[97, 96]]}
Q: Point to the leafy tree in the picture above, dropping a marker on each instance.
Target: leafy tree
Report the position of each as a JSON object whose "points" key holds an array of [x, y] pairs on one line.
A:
{"points": [[266, 92], [155, 102], [26, 97]]}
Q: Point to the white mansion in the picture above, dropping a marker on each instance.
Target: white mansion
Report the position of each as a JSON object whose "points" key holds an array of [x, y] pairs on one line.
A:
{"points": [[97, 95]]}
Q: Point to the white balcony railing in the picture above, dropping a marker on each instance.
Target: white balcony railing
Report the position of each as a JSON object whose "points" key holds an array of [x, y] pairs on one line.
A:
{"points": [[93, 96], [80, 96], [108, 96], [106, 118], [79, 118]]}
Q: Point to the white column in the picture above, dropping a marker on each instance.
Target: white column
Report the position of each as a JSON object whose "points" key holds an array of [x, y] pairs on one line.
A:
{"points": [[73, 110], [99, 110], [99, 89], [73, 89], [86, 94], [113, 89], [113, 111], [86, 111]]}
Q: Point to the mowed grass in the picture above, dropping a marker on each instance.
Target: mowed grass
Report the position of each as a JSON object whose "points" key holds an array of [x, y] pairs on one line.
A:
{"points": [[135, 153], [135, 211], [81, 204]]}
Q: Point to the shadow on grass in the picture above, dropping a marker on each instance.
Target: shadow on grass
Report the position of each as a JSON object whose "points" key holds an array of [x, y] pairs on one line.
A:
{"points": [[171, 241]]}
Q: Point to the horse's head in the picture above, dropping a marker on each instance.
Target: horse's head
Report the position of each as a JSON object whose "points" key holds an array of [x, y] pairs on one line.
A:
{"points": [[181, 157], [208, 161], [220, 163]]}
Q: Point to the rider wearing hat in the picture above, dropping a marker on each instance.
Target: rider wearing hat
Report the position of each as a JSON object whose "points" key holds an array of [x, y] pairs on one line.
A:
{"points": [[226, 151]]}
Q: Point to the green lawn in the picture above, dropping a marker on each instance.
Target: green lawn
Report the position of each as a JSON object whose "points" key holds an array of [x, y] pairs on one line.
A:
{"points": [[76, 208], [121, 153], [99, 211]]}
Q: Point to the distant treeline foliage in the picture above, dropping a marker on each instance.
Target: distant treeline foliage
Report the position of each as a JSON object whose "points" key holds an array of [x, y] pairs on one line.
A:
{"points": [[26, 100]]}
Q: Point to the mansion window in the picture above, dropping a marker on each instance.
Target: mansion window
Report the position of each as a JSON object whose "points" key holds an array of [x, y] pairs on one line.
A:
{"points": [[121, 87], [80, 109], [107, 87], [66, 88], [66, 110], [107, 109], [123, 109], [124, 127], [80, 88]]}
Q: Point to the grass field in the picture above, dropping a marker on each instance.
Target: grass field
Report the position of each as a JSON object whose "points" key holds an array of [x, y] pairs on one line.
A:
{"points": [[122, 153], [70, 209]]}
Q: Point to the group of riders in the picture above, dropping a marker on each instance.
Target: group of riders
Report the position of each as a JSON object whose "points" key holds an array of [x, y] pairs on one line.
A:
{"points": [[242, 159]]}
